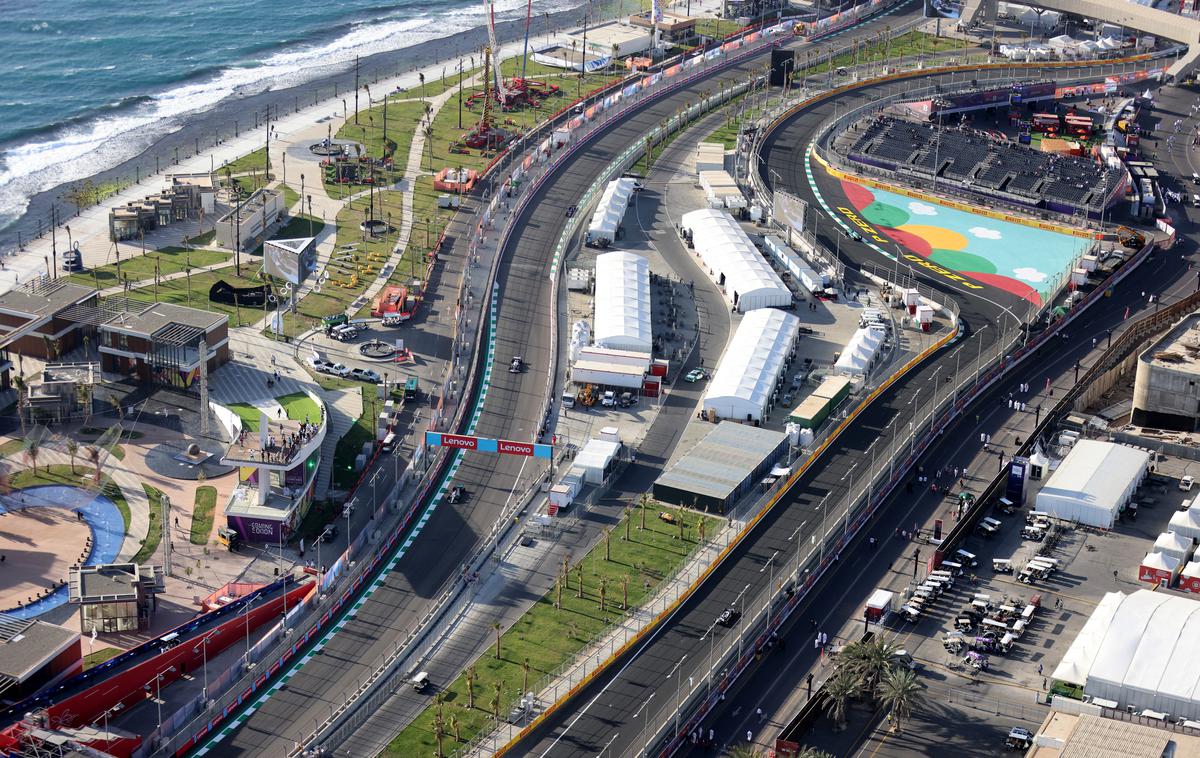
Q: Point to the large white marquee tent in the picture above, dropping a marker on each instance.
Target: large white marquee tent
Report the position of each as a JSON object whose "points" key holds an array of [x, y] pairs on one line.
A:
{"points": [[734, 262], [623, 302], [1139, 650], [742, 386], [1093, 482]]}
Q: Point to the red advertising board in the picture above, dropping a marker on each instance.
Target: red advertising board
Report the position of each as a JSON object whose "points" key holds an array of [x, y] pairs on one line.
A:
{"points": [[460, 442]]}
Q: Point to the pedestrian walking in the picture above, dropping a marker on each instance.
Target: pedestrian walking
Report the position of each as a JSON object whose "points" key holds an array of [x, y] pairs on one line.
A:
{"points": [[1039, 669]]}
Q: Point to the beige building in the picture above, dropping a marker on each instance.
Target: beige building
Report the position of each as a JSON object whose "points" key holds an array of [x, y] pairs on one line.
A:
{"points": [[1166, 391], [252, 221]]}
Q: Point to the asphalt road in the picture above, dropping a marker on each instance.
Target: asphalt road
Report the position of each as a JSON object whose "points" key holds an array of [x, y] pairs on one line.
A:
{"points": [[1169, 275], [512, 410], [607, 715]]}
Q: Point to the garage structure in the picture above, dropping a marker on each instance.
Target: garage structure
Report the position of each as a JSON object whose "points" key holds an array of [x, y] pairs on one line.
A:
{"points": [[610, 212], [721, 468], [746, 279], [744, 386], [622, 302], [1139, 651], [1093, 483]]}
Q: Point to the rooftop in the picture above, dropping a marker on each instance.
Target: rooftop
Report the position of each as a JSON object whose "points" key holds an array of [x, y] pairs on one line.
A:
{"points": [[111, 582], [1071, 735], [43, 297], [25, 646], [158, 315], [722, 460], [1180, 349]]}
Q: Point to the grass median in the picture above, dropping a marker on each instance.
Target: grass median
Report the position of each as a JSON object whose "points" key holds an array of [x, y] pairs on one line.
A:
{"points": [[619, 574], [202, 514]]}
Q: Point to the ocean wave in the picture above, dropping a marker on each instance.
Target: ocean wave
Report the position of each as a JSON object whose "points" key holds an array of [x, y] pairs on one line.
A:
{"points": [[104, 138]]}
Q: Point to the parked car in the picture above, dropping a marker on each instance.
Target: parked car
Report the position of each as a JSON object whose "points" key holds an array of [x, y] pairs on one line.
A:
{"points": [[343, 333], [694, 375], [366, 375], [1186, 483], [320, 365], [626, 400], [729, 616], [609, 399], [340, 369]]}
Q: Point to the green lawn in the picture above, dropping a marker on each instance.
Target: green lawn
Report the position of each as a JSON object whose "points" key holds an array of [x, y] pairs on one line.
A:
{"points": [[249, 415], [547, 636], [299, 406], [92, 660], [176, 291], [154, 533], [716, 27], [350, 445], [139, 268], [301, 225], [60, 473], [202, 514], [255, 161], [909, 45]]}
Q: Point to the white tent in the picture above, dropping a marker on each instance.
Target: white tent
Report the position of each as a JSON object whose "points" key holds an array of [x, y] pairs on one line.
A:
{"points": [[1186, 523], [1093, 483], [749, 371], [610, 211], [733, 261], [623, 302], [860, 352], [1174, 545], [1077, 661], [594, 460]]}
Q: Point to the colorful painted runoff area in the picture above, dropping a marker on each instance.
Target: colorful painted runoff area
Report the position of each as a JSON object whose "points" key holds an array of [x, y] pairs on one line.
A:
{"points": [[1015, 258]]}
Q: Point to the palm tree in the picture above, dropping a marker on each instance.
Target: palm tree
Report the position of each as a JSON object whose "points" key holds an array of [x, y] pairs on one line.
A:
{"points": [[471, 676], [628, 518], [879, 657], [455, 726], [422, 78], [32, 448], [19, 383], [580, 593], [839, 690], [900, 692], [700, 526], [744, 751], [428, 131], [624, 592], [607, 548], [525, 675], [496, 700], [603, 593], [93, 455], [812, 752], [645, 501], [496, 629], [72, 450]]}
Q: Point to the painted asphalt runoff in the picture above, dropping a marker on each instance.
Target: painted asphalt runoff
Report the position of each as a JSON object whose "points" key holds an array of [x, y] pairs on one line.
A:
{"points": [[863, 569], [602, 714]]}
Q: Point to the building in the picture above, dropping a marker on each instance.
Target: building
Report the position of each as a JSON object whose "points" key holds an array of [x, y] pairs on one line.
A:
{"points": [[722, 468], [1137, 651], [733, 261], [187, 196], [41, 318], [744, 386], [673, 29], [251, 221], [622, 302], [1093, 483], [161, 343], [115, 597], [613, 39], [35, 654], [1075, 735], [1166, 390]]}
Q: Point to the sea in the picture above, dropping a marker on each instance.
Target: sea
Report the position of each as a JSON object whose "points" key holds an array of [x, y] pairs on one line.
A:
{"points": [[88, 86]]}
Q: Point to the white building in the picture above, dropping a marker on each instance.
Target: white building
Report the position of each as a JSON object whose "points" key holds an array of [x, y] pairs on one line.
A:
{"points": [[610, 212], [745, 381], [622, 302], [1093, 483], [733, 261], [1139, 651]]}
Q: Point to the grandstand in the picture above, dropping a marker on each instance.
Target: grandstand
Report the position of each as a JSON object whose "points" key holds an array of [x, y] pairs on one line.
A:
{"points": [[978, 163]]}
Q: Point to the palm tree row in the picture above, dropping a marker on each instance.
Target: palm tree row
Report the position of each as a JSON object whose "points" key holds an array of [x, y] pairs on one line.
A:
{"points": [[874, 670]]}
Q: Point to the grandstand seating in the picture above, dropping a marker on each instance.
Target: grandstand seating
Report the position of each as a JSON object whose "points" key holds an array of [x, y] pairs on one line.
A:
{"points": [[982, 164]]}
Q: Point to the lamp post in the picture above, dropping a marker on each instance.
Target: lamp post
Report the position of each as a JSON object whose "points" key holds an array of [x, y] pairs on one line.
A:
{"points": [[912, 427], [824, 512], [769, 565], [645, 709], [675, 673], [202, 648], [246, 615], [157, 682]]}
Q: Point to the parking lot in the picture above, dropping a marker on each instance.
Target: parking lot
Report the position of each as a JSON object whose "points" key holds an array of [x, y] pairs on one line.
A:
{"points": [[968, 711]]}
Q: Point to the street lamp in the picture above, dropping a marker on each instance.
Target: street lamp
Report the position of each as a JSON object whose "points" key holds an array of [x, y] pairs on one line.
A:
{"points": [[677, 678], [645, 722], [770, 564], [157, 682], [202, 648]]}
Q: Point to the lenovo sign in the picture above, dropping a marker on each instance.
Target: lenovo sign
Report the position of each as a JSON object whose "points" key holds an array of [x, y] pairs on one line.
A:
{"points": [[507, 447], [488, 445]]}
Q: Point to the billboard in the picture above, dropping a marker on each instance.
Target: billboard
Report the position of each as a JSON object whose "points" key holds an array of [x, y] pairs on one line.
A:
{"points": [[252, 529], [1014, 487], [291, 260], [488, 445], [790, 211], [943, 8]]}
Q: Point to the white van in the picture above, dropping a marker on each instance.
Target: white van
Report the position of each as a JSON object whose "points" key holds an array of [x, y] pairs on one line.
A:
{"points": [[568, 400], [1196, 201], [389, 443], [420, 682]]}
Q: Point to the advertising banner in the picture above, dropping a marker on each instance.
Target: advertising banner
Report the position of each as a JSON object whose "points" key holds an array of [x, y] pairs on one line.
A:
{"points": [[488, 445], [1014, 488], [252, 529], [291, 260], [789, 210]]}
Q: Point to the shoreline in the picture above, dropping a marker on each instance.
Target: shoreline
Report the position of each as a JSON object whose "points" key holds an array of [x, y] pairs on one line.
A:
{"points": [[211, 129]]}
